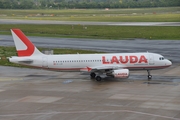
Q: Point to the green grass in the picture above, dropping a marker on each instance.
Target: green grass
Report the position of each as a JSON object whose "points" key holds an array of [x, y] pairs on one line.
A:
{"points": [[97, 32], [164, 14], [107, 18], [110, 18], [11, 51], [10, 12]]}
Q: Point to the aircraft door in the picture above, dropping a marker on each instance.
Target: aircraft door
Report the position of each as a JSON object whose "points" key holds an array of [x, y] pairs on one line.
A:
{"points": [[151, 59], [45, 62]]}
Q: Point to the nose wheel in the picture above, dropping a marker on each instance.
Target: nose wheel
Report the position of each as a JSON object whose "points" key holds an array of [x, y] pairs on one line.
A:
{"points": [[149, 75]]}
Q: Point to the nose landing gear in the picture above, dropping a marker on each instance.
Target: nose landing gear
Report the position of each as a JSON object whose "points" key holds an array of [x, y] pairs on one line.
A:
{"points": [[149, 75]]}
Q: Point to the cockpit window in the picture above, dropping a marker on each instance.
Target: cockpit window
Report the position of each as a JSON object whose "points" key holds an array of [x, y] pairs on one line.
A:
{"points": [[161, 58]]}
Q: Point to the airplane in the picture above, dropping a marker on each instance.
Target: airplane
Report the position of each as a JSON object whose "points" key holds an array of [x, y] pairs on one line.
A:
{"points": [[117, 65]]}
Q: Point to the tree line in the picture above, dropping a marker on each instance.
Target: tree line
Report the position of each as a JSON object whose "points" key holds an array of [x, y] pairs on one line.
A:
{"points": [[85, 4]]}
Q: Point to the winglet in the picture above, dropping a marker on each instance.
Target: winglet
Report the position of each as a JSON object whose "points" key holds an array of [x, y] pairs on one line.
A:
{"points": [[23, 45]]}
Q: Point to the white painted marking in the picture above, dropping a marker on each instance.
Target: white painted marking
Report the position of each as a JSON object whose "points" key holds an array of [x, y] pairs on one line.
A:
{"points": [[1, 90], [162, 99], [40, 99], [79, 112], [131, 97], [9, 79]]}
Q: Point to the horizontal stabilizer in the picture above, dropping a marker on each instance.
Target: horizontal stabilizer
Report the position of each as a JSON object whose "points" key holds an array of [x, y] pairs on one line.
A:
{"points": [[26, 61], [20, 60]]}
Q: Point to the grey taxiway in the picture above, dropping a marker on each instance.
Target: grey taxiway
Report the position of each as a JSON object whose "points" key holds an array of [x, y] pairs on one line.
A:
{"points": [[16, 21], [168, 48]]}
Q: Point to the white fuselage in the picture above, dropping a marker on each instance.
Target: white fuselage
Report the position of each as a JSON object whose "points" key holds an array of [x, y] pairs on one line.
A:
{"points": [[78, 62], [114, 64]]}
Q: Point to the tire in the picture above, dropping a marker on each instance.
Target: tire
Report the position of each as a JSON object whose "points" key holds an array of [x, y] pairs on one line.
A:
{"points": [[98, 78], [149, 77], [93, 75]]}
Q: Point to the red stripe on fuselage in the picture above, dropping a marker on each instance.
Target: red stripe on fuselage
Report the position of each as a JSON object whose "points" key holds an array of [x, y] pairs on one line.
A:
{"points": [[130, 68], [30, 47]]}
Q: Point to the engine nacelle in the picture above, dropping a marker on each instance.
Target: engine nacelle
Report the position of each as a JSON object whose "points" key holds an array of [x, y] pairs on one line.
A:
{"points": [[121, 73]]}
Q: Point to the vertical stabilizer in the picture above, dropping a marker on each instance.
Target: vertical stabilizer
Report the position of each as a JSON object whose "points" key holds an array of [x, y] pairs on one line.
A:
{"points": [[23, 45]]}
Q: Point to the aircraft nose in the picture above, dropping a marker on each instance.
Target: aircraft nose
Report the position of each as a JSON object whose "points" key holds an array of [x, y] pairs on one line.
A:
{"points": [[169, 63]]}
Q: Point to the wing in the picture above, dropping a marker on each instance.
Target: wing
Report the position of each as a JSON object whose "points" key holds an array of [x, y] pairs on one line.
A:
{"points": [[102, 68]]}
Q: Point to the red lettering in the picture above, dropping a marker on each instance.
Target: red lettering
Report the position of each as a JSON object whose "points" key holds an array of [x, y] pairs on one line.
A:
{"points": [[114, 59], [122, 60], [133, 59], [142, 59], [122, 74], [104, 60], [125, 59]]}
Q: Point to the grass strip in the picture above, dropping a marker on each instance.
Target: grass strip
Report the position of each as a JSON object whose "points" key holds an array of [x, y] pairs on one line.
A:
{"points": [[106, 18], [162, 14], [96, 32]]}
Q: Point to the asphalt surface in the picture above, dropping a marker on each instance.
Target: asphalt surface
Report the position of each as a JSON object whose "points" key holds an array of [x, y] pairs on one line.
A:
{"points": [[15, 21], [168, 48], [31, 94]]}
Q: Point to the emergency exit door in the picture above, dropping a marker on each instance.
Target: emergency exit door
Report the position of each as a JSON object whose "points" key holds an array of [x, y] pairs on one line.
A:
{"points": [[44, 62]]}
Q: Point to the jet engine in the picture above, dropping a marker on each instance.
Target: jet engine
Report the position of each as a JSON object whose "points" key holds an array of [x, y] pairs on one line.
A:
{"points": [[121, 73]]}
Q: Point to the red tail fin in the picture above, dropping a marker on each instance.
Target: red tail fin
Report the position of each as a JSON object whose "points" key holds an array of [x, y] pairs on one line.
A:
{"points": [[23, 45]]}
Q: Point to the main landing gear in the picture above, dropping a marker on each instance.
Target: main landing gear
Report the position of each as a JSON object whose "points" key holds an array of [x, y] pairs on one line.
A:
{"points": [[149, 75], [93, 75], [98, 78]]}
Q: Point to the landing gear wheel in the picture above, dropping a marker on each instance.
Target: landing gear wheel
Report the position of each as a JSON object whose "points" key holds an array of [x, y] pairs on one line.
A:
{"points": [[149, 75], [93, 75], [98, 78]]}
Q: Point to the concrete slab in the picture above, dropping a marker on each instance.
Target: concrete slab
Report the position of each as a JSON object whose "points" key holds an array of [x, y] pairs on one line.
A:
{"points": [[38, 95], [176, 71]]}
